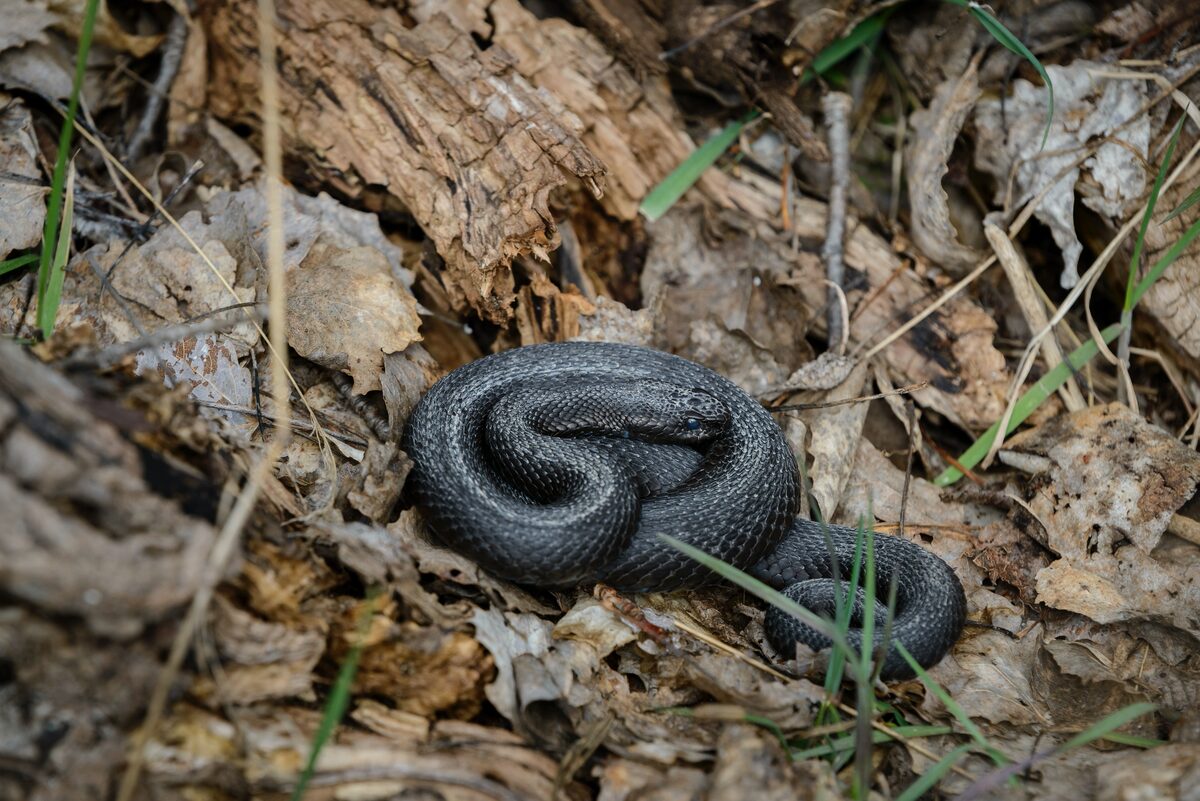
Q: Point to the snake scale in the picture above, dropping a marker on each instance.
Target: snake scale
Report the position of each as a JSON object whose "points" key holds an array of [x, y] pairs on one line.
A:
{"points": [[553, 465]]}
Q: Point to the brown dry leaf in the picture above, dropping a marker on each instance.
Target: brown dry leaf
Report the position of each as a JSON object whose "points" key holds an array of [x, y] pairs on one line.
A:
{"points": [[836, 432], [393, 755], [409, 534], [1085, 669], [752, 282], [209, 365], [1174, 299], [1086, 108], [1106, 486], [405, 378], [719, 299], [935, 132], [380, 480], [597, 624], [22, 191], [1074, 687], [1167, 773], [455, 133], [749, 764], [552, 689], [25, 21], [44, 69], [345, 311], [108, 31]]}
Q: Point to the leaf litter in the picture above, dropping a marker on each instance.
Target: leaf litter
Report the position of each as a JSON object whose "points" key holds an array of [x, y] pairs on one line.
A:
{"points": [[477, 191]]}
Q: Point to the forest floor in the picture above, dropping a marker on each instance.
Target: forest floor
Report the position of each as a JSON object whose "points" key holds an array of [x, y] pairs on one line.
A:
{"points": [[914, 224]]}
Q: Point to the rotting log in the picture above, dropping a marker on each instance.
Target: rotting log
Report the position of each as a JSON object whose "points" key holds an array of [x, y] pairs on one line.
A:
{"points": [[370, 97]]}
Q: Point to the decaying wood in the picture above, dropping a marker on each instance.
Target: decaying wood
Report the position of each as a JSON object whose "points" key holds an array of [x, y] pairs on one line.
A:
{"points": [[84, 535], [455, 132]]}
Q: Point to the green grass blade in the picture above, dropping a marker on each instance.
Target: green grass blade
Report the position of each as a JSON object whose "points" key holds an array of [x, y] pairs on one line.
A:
{"points": [[845, 742], [756, 587], [1107, 724], [1150, 204], [1134, 740], [1162, 264], [339, 697], [17, 262], [984, 785], [1188, 202], [1027, 403], [54, 207], [867, 534], [863, 34], [1007, 38], [843, 606], [957, 711], [929, 778], [863, 697], [47, 307], [682, 178], [662, 197]]}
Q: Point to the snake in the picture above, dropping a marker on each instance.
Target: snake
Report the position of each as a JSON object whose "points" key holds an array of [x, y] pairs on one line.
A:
{"points": [[558, 464]]}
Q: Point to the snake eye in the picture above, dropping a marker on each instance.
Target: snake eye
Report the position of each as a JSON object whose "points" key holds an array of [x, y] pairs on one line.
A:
{"points": [[693, 424]]}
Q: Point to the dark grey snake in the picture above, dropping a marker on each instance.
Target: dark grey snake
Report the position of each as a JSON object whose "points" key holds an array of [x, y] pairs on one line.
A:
{"points": [[557, 464]]}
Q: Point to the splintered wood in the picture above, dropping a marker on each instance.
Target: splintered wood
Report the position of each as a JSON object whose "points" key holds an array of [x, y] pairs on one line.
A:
{"points": [[457, 134]]}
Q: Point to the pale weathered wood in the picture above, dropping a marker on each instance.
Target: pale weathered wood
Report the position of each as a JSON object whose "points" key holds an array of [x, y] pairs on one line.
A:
{"points": [[455, 132]]}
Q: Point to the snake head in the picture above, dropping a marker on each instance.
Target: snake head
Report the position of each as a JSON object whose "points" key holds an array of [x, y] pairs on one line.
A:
{"points": [[681, 415]]}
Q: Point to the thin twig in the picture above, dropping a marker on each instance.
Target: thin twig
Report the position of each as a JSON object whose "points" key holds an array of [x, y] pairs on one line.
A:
{"points": [[146, 227], [117, 296], [1092, 275], [172, 56], [912, 447], [208, 262], [204, 324], [836, 106], [230, 534], [1022, 282], [719, 26], [1026, 214], [794, 407]]}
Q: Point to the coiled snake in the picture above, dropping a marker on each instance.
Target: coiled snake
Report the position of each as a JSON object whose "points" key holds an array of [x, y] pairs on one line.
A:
{"points": [[556, 464]]}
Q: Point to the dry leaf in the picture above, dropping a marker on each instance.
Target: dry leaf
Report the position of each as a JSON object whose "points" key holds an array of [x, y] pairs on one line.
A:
{"points": [[835, 435], [108, 31], [935, 132], [208, 365], [1086, 108], [345, 311], [25, 21], [1107, 488], [1167, 773], [22, 191], [1174, 299]]}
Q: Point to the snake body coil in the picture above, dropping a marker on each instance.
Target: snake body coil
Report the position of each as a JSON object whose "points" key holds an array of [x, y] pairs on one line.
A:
{"points": [[558, 464]]}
